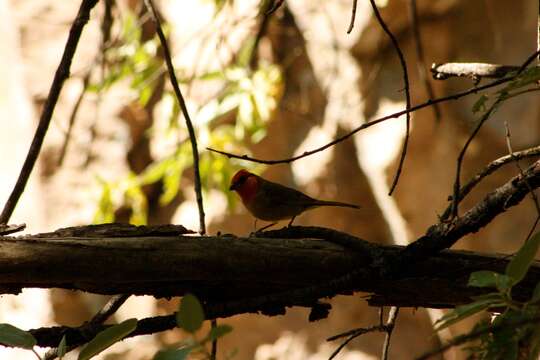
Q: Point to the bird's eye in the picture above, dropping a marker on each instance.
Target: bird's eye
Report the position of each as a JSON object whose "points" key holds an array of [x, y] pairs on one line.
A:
{"points": [[242, 179]]}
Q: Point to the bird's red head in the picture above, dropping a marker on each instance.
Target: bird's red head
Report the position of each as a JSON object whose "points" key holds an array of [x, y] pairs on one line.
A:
{"points": [[245, 184]]}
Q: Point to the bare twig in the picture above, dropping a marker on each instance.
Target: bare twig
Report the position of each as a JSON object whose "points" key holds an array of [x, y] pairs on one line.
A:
{"points": [[538, 34], [485, 117], [488, 170], [213, 352], [183, 106], [353, 16], [461, 156], [421, 63], [520, 169], [62, 73], [337, 140], [106, 26], [444, 235], [109, 309], [73, 117], [35, 353], [99, 318], [360, 331], [353, 334], [10, 229], [407, 93], [392, 317]]}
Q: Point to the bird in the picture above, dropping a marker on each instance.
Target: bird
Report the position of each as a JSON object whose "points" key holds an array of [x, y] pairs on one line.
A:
{"points": [[270, 201]]}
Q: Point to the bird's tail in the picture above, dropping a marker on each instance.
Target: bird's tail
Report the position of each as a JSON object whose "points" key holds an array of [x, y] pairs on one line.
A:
{"points": [[335, 203]]}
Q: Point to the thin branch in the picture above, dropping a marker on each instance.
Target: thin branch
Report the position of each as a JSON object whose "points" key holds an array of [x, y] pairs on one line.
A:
{"points": [[538, 34], [444, 235], [73, 117], [421, 63], [99, 318], [109, 309], [353, 16], [407, 93], [106, 26], [273, 302], [461, 156], [485, 117], [358, 331], [397, 114], [353, 334], [520, 169], [10, 229], [213, 352], [488, 170], [392, 317], [35, 353], [192, 137], [62, 73]]}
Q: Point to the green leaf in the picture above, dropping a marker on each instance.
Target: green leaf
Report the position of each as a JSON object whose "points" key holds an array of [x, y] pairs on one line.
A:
{"points": [[493, 296], [107, 338], [483, 279], [491, 279], [528, 76], [217, 332], [190, 315], [462, 312], [517, 268], [504, 282], [62, 347], [105, 210], [13, 336], [174, 354], [480, 104]]}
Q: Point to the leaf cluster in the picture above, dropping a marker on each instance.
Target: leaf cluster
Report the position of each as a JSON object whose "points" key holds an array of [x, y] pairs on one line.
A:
{"points": [[233, 117], [500, 338]]}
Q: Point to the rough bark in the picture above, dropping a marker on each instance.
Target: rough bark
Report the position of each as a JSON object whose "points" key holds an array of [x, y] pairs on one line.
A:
{"points": [[255, 274]]}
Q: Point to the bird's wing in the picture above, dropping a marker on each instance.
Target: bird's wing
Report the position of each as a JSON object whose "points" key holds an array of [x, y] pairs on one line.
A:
{"points": [[281, 194]]}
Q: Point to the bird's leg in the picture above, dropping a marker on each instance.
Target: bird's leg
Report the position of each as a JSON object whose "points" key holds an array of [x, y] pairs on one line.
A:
{"points": [[254, 232], [290, 222], [265, 227]]}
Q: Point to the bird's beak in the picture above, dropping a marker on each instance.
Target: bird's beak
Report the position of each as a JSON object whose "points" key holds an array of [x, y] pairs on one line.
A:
{"points": [[233, 187]]}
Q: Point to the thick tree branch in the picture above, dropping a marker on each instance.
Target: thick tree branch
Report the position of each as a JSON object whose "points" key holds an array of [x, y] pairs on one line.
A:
{"points": [[266, 275], [295, 266], [256, 274]]}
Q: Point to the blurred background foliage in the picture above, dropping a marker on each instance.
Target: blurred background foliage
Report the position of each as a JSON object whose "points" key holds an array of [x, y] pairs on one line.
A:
{"points": [[233, 119]]}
